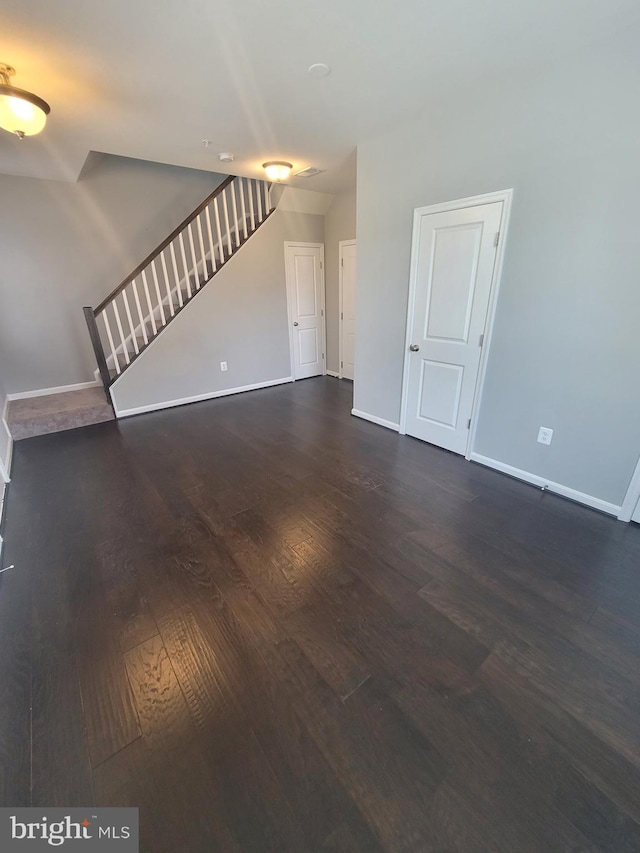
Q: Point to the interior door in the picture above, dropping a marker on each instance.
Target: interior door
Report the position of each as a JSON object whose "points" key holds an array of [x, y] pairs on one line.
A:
{"points": [[454, 255], [305, 293], [347, 307]]}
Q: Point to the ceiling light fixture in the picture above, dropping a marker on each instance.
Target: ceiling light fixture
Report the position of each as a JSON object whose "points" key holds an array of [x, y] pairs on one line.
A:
{"points": [[277, 170], [21, 112]]}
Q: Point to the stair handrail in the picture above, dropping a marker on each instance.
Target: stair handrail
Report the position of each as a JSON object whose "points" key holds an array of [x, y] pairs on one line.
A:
{"points": [[162, 246]]}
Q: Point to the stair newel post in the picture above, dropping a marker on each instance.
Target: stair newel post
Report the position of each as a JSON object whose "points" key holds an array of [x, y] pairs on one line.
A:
{"points": [[96, 342]]}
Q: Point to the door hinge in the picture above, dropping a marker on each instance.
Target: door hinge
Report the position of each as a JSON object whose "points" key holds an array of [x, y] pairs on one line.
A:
{"points": [[323, 356], [469, 424], [497, 240], [341, 262], [341, 315], [481, 341], [322, 312], [321, 261], [342, 364]]}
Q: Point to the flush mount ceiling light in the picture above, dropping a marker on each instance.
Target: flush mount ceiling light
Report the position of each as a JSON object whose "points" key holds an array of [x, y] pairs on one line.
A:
{"points": [[277, 170], [21, 112]]}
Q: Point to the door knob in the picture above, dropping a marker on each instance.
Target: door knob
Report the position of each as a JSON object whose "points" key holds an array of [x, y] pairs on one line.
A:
{"points": [[414, 348], [295, 322]]}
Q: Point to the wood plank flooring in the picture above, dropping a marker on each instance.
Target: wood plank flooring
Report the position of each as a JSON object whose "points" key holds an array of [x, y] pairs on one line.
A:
{"points": [[275, 627]]}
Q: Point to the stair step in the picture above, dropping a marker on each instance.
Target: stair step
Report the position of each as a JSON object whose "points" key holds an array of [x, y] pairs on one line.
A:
{"points": [[57, 412]]}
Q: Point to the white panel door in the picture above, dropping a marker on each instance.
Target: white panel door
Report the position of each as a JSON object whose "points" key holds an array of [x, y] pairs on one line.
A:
{"points": [[454, 255], [305, 293], [347, 307]]}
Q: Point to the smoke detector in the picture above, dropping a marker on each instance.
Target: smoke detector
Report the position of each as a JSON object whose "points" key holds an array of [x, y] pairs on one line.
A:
{"points": [[319, 69], [226, 157], [309, 172]]}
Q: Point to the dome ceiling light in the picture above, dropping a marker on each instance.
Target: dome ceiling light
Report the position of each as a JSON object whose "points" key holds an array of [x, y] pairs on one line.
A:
{"points": [[21, 112], [277, 170]]}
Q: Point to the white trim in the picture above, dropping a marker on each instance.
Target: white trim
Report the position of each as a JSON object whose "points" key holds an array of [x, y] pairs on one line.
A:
{"points": [[375, 420], [225, 392], [341, 245], [334, 374], [5, 473], [542, 482], [57, 389], [3, 500], [287, 277], [505, 196], [5, 464], [632, 497]]}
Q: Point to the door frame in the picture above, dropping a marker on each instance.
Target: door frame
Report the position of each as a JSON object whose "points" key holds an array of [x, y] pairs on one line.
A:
{"points": [[296, 244], [505, 196], [341, 245], [632, 498]]}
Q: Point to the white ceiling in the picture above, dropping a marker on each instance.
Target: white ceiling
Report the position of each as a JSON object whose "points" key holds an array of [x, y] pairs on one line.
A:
{"points": [[152, 78]]}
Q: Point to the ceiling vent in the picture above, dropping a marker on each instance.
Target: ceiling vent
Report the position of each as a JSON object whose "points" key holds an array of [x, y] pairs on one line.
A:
{"points": [[310, 172]]}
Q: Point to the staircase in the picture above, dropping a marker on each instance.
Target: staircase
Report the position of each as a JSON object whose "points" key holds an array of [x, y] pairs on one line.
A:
{"points": [[135, 313]]}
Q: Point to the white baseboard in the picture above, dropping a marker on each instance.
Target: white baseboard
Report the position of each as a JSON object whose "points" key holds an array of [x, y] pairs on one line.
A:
{"points": [[333, 373], [58, 389], [376, 420], [557, 488], [169, 404]]}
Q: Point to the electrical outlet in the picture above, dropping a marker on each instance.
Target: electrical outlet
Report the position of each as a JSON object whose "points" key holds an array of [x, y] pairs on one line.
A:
{"points": [[545, 434], [223, 365]]}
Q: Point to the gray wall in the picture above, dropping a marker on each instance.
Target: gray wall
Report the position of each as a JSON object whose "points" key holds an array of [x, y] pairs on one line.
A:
{"points": [[67, 245], [339, 224], [566, 344], [240, 318]]}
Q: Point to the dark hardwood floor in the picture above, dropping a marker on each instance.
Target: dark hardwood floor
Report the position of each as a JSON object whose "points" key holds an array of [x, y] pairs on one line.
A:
{"points": [[275, 627]]}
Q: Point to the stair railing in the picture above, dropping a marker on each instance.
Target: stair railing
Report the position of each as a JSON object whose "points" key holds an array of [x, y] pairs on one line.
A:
{"points": [[137, 310]]}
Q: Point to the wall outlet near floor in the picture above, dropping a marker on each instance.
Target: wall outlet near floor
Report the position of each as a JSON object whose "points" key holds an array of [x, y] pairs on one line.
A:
{"points": [[545, 434], [223, 365]]}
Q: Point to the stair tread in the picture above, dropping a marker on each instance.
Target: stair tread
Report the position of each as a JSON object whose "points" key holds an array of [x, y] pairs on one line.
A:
{"points": [[57, 412]]}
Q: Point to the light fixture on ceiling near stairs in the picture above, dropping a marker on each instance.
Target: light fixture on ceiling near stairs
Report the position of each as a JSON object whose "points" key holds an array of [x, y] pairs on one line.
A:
{"points": [[277, 170], [21, 112]]}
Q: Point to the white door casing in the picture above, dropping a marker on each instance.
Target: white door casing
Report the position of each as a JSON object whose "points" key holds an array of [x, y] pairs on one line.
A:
{"points": [[347, 278], [455, 264], [630, 509], [304, 269]]}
